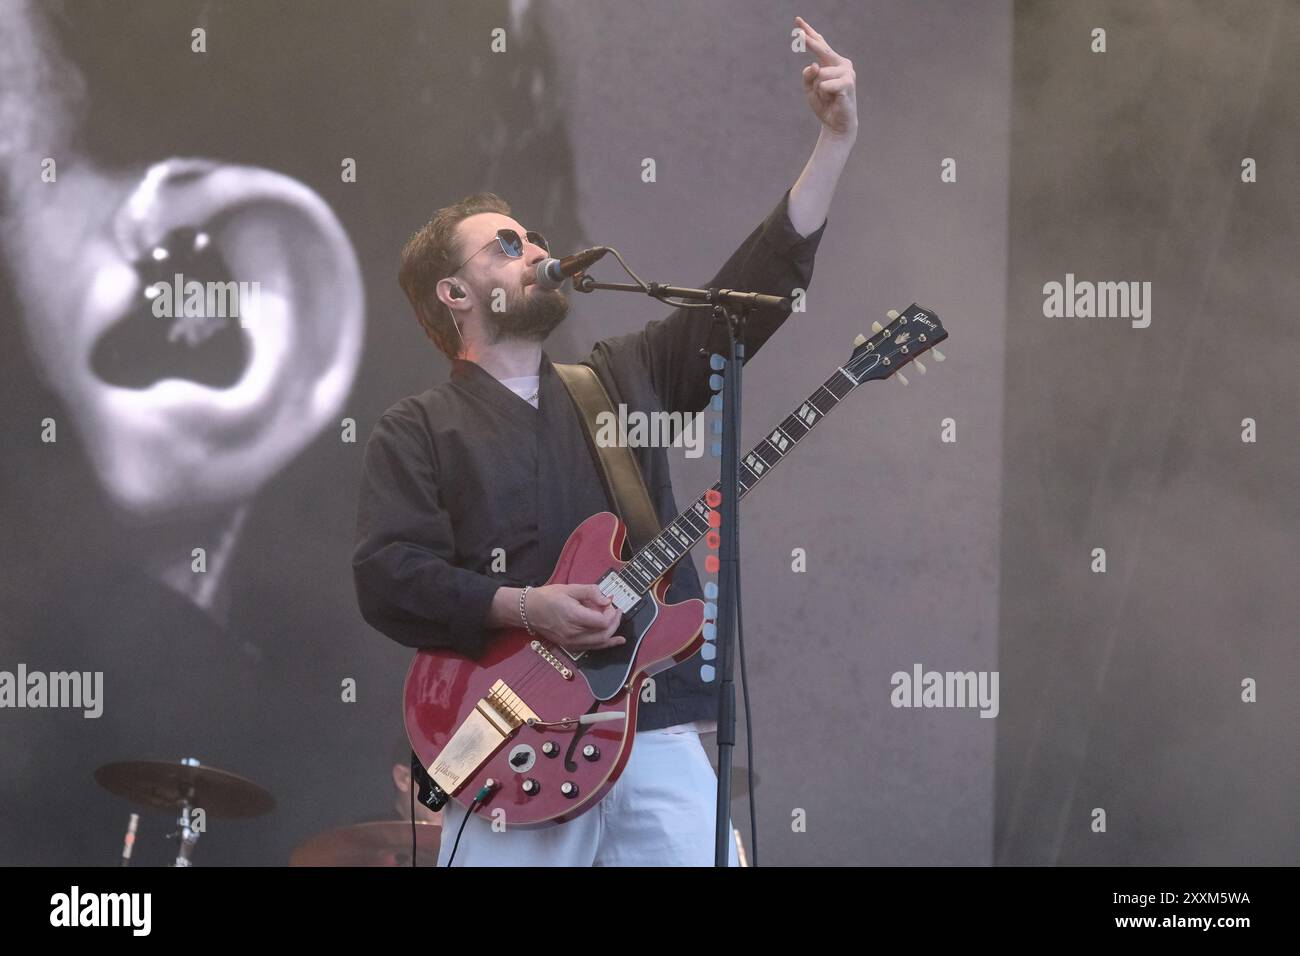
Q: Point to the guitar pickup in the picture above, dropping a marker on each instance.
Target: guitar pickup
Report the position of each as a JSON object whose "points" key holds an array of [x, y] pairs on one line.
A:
{"points": [[620, 593]]}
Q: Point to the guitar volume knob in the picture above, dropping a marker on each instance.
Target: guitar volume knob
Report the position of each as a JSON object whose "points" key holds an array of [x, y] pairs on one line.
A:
{"points": [[569, 789], [531, 787], [591, 752]]}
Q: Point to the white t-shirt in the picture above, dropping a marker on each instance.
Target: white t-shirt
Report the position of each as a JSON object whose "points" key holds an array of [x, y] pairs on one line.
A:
{"points": [[526, 387]]}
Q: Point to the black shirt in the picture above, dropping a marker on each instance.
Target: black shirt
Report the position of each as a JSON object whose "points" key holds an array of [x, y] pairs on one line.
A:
{"points": [[468, 467]]}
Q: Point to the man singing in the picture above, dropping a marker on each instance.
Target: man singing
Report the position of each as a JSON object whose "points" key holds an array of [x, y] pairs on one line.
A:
{"points": [[496, 459]]}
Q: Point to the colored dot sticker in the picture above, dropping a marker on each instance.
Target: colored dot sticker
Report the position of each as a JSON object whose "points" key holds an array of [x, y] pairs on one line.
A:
{"points": [[715, 403], [717, 361], [706, 673], [713, 540], [713, 497], [715, 382], [715, 519], [710, 631], [711, 611], [711, 591], [711, 564], [709, 651]]}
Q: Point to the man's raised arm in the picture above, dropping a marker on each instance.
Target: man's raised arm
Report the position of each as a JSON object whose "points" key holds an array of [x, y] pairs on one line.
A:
{"points": [[775, 259]]}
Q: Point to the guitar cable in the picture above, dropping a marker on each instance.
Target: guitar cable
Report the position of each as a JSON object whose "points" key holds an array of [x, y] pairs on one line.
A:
{"points": [[479, 797]]}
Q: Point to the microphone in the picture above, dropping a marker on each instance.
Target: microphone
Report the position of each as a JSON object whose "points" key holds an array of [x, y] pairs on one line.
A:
{"points": [[551, 273]]}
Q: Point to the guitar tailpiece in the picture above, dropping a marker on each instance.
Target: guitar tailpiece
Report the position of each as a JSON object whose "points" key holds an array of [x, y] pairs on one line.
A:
{"points": [[584, 719]]}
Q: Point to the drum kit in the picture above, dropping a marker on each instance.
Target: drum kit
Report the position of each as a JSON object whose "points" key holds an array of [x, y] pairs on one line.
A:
{"points": [[196, 793], [187, 788], [379, 843]]}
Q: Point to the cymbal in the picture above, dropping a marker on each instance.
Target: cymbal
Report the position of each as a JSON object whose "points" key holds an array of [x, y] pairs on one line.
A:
{"points": [[379, 843], [168, 786]]}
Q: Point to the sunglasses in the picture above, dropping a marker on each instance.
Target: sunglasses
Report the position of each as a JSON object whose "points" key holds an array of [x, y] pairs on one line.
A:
{"points": [[511, 245]]}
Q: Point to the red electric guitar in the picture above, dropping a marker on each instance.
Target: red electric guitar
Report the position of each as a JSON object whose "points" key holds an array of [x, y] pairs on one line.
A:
{"points": [[544, 733]]}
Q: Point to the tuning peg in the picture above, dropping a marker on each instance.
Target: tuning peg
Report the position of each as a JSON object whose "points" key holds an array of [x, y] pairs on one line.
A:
{"points": [[859, 339], [876, 326], [938, 356], [919, 367], [892, 314], [901, 377]]}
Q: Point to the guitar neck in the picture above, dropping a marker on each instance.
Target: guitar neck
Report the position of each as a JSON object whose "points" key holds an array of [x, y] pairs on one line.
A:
{"points": [[685, 531]]}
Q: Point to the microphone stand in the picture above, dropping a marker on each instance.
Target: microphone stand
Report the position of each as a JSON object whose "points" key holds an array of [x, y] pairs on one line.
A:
{"points": [[731, 308]]}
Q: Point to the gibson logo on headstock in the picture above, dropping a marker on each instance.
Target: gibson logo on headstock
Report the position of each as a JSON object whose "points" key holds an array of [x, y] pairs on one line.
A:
{"points": [[924, 320]]}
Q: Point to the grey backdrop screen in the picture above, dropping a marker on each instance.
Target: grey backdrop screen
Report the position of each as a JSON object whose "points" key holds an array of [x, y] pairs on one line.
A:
{"points": [[1100, 511]]}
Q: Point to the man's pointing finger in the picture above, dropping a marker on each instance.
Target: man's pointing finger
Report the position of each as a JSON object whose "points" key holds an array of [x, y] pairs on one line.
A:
{"points": [[817, 44]]}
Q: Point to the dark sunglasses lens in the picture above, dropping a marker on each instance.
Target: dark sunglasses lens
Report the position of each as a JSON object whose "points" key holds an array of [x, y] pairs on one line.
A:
{"points": [[511, 244], [537, 239]]}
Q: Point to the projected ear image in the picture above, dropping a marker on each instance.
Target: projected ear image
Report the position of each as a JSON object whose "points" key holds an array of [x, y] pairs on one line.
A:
{"points": [[188, 413]]}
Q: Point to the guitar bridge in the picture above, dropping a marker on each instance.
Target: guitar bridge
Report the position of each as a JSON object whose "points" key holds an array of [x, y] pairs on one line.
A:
{"points": [[551, 659], [480, 735]]}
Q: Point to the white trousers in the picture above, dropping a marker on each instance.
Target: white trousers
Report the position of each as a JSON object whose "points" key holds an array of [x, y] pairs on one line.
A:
{"points": [[660, 812]]}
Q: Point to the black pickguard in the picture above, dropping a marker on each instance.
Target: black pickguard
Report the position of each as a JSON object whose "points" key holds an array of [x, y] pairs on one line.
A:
{"points": [[608, 670]]}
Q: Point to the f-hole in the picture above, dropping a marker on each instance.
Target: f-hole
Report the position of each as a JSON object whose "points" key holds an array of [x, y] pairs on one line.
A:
{"points": [[570, 764]]}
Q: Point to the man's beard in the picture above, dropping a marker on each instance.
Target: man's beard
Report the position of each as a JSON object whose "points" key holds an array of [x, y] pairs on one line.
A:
{"points": [[531, 316]]}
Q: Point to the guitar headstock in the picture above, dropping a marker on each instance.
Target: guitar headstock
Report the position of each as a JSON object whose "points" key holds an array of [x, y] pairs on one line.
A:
{"points": [[908, 336]]}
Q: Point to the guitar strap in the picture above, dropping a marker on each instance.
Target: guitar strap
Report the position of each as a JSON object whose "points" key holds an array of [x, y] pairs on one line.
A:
{"points": [[619, 472]]}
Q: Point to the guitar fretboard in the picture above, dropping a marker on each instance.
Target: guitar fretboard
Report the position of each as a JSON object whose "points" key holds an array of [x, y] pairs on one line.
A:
{"points": [[682, 533]]}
